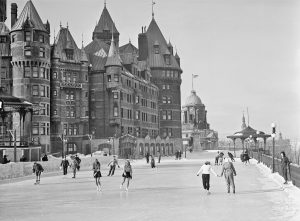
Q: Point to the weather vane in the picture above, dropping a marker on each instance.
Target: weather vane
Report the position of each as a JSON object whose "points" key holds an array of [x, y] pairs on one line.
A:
{"points": [[153, 3]]}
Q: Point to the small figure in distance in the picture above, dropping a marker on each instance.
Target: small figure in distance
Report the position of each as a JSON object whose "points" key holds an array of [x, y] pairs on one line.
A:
{"points": [[45, 157], [231, 157], [229, 171], [217, 158], [5, 160], [64, 164], [285, 166], [37, 169], [113, 163]]}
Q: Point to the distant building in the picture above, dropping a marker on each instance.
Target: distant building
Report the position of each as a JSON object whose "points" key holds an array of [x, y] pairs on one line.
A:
{"points": [[195, 125]]}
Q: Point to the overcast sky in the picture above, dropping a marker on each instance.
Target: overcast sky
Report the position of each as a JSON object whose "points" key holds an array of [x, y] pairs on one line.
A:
{"points": [[246, 52]]}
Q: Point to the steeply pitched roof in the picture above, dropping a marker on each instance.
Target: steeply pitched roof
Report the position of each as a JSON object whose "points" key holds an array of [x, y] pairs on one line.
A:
{"points": [[3, 29], [64, 40], [113, 57], [105, 23], [155, 37], [97, 52], [30, 16], [128, 53]]}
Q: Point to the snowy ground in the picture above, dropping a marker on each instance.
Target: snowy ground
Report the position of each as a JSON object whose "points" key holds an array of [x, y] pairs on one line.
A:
{"points": [[171, 192]]}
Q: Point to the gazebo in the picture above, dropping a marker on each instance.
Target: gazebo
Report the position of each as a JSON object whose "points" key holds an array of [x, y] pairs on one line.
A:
{"points": [[249, 133], [9, 105]]}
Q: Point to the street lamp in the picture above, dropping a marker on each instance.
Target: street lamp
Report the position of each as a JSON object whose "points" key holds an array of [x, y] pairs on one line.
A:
{"points": [[273, 154]]}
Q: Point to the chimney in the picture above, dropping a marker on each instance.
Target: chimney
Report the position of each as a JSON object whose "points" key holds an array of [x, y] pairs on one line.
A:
{"points": [[14, 13], [143, 47], [2, 10]]}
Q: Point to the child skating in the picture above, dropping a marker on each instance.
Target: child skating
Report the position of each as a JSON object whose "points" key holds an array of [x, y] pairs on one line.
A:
{"points": [[127, 174]]}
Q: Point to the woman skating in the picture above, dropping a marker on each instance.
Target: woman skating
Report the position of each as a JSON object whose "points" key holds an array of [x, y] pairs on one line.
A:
{"points": [[97, 173], [206, 169], [127, 174], [37, 169], [229, 171]]}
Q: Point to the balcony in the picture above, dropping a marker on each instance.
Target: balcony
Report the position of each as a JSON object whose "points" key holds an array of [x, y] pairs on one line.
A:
{"points": [[71, 85], [114, 121], [112, 85]]}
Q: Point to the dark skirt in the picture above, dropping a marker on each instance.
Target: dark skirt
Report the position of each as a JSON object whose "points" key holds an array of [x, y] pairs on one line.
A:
{"points": [[127, 175], [97, 174]]}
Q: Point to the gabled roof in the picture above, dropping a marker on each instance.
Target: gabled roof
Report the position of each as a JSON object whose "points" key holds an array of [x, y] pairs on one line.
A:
{"points": [[247, 132], [128, 53], [105, 23], [113, 57], [64, 40], [4, 29], [155, 37], [97, 52], [30, 16]]}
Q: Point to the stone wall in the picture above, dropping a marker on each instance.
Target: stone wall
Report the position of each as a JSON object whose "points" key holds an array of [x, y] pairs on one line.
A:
{"points": [[21, 169]]}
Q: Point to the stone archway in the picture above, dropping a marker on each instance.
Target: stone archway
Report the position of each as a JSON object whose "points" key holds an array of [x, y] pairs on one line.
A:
{"points": [[162, 147], [167, 149], [141, 150], [152, 147]]}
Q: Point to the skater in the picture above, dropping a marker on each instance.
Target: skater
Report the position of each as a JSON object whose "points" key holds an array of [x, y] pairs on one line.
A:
{"points": [[37, 169], [74, 166], [5, 160], [45, 157], [78, 162], [285, 166], [229, 171], [113, 165], [206, 169], [217, 158], [176, 155], [159, 156], [127, 174], [147, 157], [221, 157], [64, 164], [179, 154], [97, 174], [231, 157], [152, 162], [246, 157]]}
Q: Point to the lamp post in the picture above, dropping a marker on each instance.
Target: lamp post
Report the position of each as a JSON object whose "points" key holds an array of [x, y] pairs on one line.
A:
{"points": [[273, 151]]}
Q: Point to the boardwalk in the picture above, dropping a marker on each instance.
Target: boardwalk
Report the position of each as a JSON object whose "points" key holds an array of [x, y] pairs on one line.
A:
{"points": [[173, 192]]}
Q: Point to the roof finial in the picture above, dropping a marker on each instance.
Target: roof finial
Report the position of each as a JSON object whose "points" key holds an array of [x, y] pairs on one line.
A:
{"points": [[67, 25], [153, 3], [54, 36], [129, 40], [104, 3], [60, 24], [248, 116], [82, 40]]}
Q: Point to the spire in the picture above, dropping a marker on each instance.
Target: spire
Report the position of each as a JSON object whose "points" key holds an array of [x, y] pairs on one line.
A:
{"points": [[243, 122], [153, 3], [104, 3], [113, 58]]}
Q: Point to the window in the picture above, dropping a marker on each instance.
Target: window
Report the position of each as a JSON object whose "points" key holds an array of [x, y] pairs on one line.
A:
{"points": [[164, 132], [48, 110], [164, 115], [35, 90], [130, 130], [35, 128], [169, 115], [55, 93], [116, 78], [137, 99], [156, 49], [116, 114], [168, 62], [2, 39], [175, 74], [116, 95], [75, 130], [27, 72], [74, 78], [42, 39], [35, 73], [108, 78], [42, 72], [55, 111], [168, 87], [137, 115], [64, 76], [164, 100], [69, 54], [65, 129], [86, 94], [54, 76], [170, 134], [27, 36], [122, 112], [43, 129], [48, 92], [72, 112], [42, 109], [169, 101], [42, 52], [27, 51], [72, 97], [47, 73], [48, 128], [163, 86], [42, 91]]}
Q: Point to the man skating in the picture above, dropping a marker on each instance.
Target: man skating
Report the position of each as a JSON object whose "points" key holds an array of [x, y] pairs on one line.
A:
{"points": [[64, 164], [113, 165]]}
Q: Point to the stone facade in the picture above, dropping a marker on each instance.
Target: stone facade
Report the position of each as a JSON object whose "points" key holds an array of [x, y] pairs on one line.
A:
{"points": [[98, 92]]}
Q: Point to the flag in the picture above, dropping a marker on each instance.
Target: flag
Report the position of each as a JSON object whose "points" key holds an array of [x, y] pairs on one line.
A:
{"points": [[195, 75], [153, 3]]}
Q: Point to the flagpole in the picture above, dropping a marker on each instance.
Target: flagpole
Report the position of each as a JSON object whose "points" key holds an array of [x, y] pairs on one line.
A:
{"points": [[192, 81]]}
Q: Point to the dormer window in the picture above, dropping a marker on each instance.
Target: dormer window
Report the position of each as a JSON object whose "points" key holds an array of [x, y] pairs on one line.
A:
{"points": [[41, 39], [167, 59], [27, 36], [42, 52], [69, 54], [156, 47]]}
